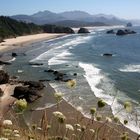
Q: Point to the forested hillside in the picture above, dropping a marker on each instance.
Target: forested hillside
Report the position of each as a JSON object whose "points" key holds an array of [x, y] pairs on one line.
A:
{"points": [[12, 28]]}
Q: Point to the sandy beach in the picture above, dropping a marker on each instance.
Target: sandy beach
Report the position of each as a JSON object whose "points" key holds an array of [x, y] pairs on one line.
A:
{"points": [[14, 43]]}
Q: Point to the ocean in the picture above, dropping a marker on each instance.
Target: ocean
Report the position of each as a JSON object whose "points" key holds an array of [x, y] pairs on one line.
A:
{"points": [[114, 79]]}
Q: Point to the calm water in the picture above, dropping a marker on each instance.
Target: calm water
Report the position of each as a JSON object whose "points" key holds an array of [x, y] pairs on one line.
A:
{"points": [[115, 79]]}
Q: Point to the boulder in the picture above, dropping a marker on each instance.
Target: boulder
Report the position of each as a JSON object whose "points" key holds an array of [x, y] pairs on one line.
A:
{"points": [[110, 32], [36, 64], [129, 24], [1, 92], [83, 30], [75, 74], [34, 85], [4, 77], [107, 54], [50, 70], [14, 54], [125, 32], [30, 95]]}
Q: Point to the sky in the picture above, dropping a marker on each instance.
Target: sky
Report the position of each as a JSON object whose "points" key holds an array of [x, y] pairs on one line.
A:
{"points": [[128, 9]]}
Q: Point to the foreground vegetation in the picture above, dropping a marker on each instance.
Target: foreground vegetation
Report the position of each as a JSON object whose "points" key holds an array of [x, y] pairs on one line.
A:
{"points": [[58, 127]]}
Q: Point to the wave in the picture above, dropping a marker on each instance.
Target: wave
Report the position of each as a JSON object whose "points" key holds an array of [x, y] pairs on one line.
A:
{"points": [[130, 68], [94, 77], [13, 59]]}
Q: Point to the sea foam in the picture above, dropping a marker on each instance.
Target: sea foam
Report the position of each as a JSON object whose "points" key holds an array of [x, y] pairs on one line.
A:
{"points": [[130, 68], [94, 76]]}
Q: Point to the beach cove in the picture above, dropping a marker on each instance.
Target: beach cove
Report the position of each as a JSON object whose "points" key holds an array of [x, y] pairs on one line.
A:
{"points": [[22, 69]]}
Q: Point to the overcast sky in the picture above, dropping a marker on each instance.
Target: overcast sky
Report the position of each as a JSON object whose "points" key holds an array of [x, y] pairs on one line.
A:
{"points": [[129, 9]]}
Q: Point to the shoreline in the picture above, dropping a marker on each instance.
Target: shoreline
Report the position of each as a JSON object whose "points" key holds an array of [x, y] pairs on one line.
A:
{"points": [[23, 41], [64, 103]]}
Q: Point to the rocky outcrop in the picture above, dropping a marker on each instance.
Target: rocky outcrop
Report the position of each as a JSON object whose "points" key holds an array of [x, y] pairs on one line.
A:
{"points": [[125, 32], [30, 95], [36, 64], [107, 54], [30, 91], [1, 92], [110, 32], [129, 24], [14, 54], [34, 85], [57, 29], [4, 77], [83, 30]]}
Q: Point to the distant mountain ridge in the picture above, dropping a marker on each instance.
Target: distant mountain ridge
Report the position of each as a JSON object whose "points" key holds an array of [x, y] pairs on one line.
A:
{"points": [[48, 17]]}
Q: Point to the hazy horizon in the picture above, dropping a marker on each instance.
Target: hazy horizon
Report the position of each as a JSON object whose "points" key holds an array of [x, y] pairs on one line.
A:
{"points": [[126, 9]]}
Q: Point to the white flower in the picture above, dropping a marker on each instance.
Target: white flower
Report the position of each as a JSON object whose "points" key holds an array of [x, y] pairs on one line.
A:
{"points": [[69, 127], [16, 131], [17, 135], [57, 113], [79, 108], [92, 130], [77, 125], [79, 130], [108, 119], [7, 122]]}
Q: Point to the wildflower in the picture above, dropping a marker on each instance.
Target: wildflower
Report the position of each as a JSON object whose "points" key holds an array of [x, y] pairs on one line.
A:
{"points": [[77, 125], [20, 105], [101, 103], [79, 108], [57, 113], [124, 136], [92, 131], [7, 123], [58, 96], [108, 119], [128, 106], [92, 111], [17, 135], [98, 117], [79, 130], [116, 119], [16, 131], [125, 122], [69, 127], [83, 128], [71, 83], [60, 117]]}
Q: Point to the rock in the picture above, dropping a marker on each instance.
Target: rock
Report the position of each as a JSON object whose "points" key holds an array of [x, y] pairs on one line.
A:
{"points": [[1, 92], [125, 32], [14, 54], [34, 85], [50, 70], [107, 54], [55, 72], [30, 95], [129, 24], [4, 63], [83, 30], [37, 64], [4, 77], [110, 32], [44, 80], [75, 74]]}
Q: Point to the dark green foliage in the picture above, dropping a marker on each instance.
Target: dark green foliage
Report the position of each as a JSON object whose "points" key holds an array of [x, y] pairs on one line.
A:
{"points": [[12, 28], [57, 29]]}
